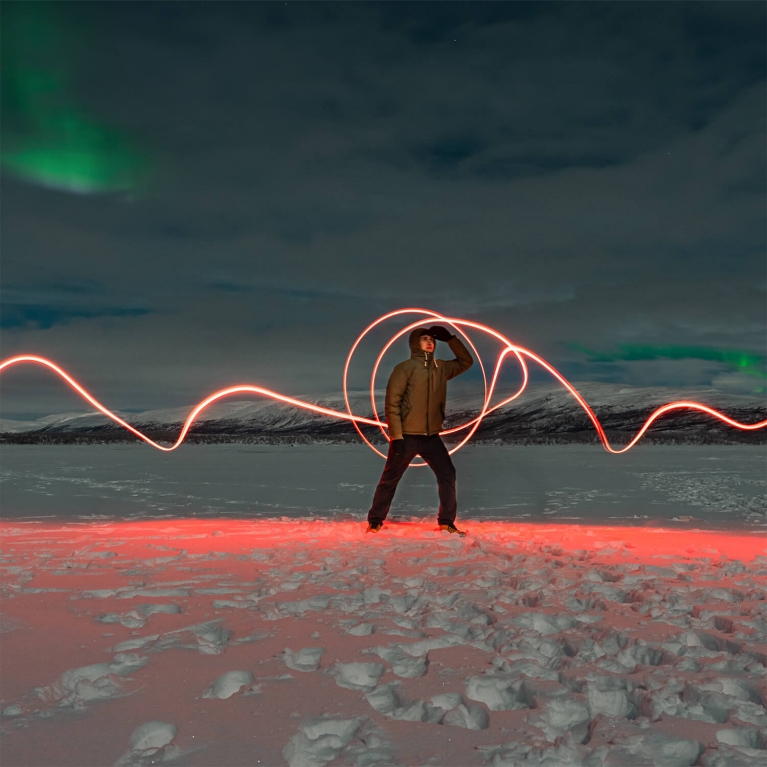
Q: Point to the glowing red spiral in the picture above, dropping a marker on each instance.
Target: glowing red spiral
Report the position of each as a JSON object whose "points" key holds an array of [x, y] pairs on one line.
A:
{"points": [[458, 324]]}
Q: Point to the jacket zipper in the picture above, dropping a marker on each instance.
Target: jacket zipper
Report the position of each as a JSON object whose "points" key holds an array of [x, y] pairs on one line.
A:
{"points": [[428, 393]]}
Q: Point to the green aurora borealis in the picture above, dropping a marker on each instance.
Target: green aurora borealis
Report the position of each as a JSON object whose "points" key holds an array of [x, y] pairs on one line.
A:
{"points": [[733, 359], [47, 138]]}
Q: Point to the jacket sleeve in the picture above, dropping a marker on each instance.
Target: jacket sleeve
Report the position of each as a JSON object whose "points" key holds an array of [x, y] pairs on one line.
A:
{"points": [[395, 391], [463, 359]]}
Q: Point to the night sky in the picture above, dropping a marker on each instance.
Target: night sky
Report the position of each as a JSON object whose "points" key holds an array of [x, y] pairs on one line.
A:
{"points": [[246, 186]]}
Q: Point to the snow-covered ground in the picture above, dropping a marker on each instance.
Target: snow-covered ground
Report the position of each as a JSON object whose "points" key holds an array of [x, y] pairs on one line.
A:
{"points": [[222, 605], [300, 642]]}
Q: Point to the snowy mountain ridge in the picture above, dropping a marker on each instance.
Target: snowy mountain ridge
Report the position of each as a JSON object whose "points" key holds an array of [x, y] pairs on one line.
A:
{"points": [[540, 413]]}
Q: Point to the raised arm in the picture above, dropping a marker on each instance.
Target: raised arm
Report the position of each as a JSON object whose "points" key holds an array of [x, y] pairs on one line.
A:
{"points": [[463, 359]]}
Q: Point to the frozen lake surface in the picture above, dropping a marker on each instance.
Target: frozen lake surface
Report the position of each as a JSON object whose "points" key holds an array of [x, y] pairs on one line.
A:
{"points": [[721, 486]]}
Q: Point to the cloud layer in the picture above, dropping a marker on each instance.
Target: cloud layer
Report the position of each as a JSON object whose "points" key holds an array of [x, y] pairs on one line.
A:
{"points": [[585, 174]]}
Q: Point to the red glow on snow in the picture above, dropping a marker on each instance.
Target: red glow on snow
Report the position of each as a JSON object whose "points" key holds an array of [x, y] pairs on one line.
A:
{"points": [[459, 325], [619, 543]]}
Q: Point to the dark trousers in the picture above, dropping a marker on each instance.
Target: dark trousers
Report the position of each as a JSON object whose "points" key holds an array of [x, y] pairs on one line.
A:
{"points": [[432, 449]]}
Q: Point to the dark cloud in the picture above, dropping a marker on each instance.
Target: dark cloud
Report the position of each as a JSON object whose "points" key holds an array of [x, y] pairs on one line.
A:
{"points": [[44, 316], [44, 304], [587, 173]]}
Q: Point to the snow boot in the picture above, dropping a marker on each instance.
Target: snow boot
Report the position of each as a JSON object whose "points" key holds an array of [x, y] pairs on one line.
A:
{"points": [[452, 529]]}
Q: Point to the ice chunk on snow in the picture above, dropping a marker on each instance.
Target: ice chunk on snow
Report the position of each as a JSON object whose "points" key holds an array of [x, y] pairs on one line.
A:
{"points": [[707, 705], [374, 750], [751, 713], [374, 594], [531, 669], [90, 682], [319, 741], [316, 603], [641, 653], [438, 643], [610, 702], [655, 748], [741, 689], [152, 735], [156, 592], [139, 643], [405, 602], [709, 641], [497, 692], [534, 691], [307, 659], [210, 638], [403, 664], [150, 743], [127, 662], [544, 624], [746, 737], [138, 617], [563, 715], [387, 700], [361, 629], [343, 729], [470, 716], [357, 676], [733, 756], [447, 700], [228, 684], [237, 604], [565, 754], [97, 681]]}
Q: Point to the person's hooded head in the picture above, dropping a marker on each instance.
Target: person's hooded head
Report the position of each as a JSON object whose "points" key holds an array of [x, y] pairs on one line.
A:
{"points": [[421, 342]]}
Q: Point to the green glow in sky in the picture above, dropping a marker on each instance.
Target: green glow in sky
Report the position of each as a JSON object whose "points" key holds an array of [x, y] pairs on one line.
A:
{"points": [[75, 156], [47, 139], [739, 361]]}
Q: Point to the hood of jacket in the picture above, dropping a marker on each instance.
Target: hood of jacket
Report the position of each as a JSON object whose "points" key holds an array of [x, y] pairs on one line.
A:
{"points": [[416, 352]]}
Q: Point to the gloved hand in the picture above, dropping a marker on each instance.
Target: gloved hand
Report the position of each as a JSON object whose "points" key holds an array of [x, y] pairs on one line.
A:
{"points": [[398, 447], [440, 333]]}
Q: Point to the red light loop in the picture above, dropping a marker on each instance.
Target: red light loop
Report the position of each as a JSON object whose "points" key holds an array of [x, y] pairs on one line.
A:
{"points": [[457, 324]]}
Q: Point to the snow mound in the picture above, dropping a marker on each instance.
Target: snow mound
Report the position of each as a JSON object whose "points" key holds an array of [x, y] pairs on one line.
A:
{"points": [[320, 741], [498, 692], [388, 700], [99, 681], [563, 715], [138, 617], [150, 743], [209, 638], [357, 676], [228, 684], [657, 749], [403, 664], [307, 659]]}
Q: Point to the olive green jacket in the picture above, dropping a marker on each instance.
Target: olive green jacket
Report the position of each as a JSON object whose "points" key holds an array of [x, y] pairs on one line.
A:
{"points": [[417, 388]]}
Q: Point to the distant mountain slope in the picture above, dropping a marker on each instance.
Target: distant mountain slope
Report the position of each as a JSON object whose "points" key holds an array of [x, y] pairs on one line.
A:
{"points": [[552, 414], [542, 414]]}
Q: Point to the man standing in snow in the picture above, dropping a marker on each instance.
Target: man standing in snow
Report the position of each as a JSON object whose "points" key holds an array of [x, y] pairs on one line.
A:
{"points": [[415, 410]]}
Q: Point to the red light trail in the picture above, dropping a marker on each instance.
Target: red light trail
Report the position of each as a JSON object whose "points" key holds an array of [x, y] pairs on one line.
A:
{"points": [[458, 325]]}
